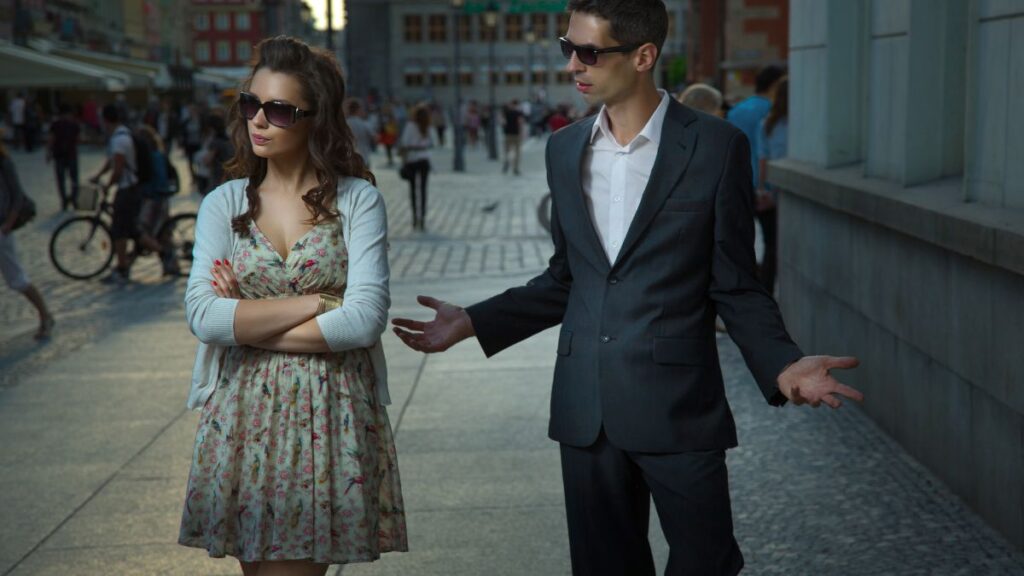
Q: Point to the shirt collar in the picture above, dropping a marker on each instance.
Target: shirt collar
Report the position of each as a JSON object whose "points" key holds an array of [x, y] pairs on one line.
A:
{"points": [[651, 131]]}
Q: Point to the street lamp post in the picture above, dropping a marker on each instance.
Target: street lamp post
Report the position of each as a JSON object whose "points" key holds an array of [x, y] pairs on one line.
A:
{"points": [[491, 21], [459, 160], [531, 39]]}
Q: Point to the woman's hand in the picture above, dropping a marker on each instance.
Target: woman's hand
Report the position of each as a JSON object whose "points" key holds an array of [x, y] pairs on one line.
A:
{"points": [[224, 282]]}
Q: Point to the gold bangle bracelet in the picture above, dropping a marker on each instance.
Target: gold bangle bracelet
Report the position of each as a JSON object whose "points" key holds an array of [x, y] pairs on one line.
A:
{"points": [[327, 303]]}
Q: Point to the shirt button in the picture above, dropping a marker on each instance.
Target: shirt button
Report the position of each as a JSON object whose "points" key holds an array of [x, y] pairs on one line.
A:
{"points": [[615, 244], [617, 199], [605, 339]]}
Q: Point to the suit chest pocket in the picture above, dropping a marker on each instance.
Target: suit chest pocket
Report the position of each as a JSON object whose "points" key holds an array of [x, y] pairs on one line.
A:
{"points": [[686, 205]]}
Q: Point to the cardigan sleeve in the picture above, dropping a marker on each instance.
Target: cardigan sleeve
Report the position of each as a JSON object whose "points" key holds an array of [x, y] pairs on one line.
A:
{"points": [[210, 317], [361, 319]]}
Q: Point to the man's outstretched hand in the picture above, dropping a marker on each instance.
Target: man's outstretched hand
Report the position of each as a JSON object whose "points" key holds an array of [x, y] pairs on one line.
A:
{"points": [[807, 381], [451, 325]]}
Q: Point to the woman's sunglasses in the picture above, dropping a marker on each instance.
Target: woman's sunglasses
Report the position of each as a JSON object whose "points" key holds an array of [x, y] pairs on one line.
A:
{"points": [[588, 55], [278, 113]]}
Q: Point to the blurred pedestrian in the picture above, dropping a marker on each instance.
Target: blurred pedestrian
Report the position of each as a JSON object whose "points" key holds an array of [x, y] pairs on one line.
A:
{"points": [[16, 116], [439, 120], [702, 97], [156, 201], [559, 119], [748, 114], [13, 202], [124, 176], [388, 132], [216, 150], [513, 121], [773, 143], [294, 464], [415, 146], [191, 132], [363, 132], [62, 149], [472, 123]]}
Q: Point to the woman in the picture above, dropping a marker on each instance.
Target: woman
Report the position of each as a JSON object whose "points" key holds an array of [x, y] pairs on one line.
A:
{"points": [[415, 146], [772, 145], [12, 196], [294, 465]]}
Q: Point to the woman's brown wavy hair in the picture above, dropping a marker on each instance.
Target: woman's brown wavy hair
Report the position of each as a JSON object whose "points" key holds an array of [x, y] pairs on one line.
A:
{"points": [[332, 148]]}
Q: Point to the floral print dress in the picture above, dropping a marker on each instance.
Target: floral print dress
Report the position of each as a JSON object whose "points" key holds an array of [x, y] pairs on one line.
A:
{"points": [[294, 457]]}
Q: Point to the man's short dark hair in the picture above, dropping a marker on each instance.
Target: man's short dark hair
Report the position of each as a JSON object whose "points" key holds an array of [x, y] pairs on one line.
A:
{"points": [[767, 78], [110, 114], [632, 21]]}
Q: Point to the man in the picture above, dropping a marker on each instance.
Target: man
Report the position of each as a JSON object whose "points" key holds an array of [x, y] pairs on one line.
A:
{"points": [[62, 148], [653, 233], [747, 116], [363, 131], [128, 200], [16, 111], [513, 122]]}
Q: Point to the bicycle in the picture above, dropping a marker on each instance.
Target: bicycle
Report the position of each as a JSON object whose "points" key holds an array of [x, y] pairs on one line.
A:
{"points": [[82, 247]]}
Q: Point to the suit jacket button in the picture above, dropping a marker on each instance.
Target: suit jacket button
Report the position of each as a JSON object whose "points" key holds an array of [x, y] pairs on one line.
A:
{"points": [[613, 280], [605, 339]]}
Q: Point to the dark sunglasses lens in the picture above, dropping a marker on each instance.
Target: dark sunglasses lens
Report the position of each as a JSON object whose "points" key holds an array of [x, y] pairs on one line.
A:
{"points": [[280, 115], [586, 55], [249, 106], [566, 48]]}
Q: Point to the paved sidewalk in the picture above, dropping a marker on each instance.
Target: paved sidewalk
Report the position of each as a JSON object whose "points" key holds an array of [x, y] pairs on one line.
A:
{"points": [[97, 442]]}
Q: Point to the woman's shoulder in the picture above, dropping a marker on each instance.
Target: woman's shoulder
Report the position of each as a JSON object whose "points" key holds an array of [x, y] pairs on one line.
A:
{"points": [[229, 196]]}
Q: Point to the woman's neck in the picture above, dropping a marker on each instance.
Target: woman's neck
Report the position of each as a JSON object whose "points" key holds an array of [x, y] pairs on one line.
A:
{"points": [[292, 175]]}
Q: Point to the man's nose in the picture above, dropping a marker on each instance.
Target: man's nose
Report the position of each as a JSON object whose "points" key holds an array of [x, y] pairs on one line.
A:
{"points": [[574, 65]]}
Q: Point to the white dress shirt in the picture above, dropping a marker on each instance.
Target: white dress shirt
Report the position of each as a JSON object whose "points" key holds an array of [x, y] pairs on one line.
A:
{"points": [[615, 176]]}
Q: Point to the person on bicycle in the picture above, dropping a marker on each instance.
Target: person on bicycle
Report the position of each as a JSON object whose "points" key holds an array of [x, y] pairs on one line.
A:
{"points": [[156, 202], [121, 162]]}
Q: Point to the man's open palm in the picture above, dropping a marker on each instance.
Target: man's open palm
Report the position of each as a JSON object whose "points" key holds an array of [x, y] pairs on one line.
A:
{"points": [[450, 326], [808, 381]]}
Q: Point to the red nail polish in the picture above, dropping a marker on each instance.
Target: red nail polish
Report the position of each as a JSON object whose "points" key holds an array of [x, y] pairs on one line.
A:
{"points": [[216, 262], [214, 282]]}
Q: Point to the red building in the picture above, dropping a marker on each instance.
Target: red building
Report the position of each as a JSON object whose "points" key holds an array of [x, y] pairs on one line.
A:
{"points": [[225, 31], [730, 40]]}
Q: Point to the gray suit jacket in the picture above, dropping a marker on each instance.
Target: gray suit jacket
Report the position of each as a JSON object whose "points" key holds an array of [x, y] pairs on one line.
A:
{"points": [[637, 351]]}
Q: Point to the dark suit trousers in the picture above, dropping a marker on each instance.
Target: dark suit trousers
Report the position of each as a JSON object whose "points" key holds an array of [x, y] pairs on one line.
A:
{"points": [[607, 501]]}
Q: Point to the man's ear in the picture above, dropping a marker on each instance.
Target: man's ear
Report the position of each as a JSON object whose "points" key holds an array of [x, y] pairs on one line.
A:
{"points": [[645, 57]]}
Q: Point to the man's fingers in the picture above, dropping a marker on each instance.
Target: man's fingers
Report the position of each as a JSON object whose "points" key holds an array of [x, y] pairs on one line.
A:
{"points": [[429, 302], [409, 324], [409, 339], [844, 390], [843, 362], [831, 401]]}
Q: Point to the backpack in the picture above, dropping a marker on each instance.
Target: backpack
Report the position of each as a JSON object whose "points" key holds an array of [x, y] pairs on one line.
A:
{"points": [[143, 159]]}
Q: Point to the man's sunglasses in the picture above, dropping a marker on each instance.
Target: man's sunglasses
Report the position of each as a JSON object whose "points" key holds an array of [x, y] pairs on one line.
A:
{"points": [[588, 55], [278, 113]]}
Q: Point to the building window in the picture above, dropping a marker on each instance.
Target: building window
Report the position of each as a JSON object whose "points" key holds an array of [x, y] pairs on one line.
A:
{"points": [[243, 50], [538, 77], [413, 28], [223, 51], [438, 26], [202, 22], [465, 28], [514, 27], [202, 51], [414, 79], [438, 78], [566, 78], [514, 77], [466, 78], [242, 21], [222, 21], [487, 34], [563, 24], [539, 25]]}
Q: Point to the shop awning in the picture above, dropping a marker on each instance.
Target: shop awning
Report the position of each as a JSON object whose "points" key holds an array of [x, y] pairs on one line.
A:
{"points": [[25, 68], [141, 73]]}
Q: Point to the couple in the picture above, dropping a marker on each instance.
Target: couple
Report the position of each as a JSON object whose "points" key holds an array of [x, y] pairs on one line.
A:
{"points": [[294, 464]]}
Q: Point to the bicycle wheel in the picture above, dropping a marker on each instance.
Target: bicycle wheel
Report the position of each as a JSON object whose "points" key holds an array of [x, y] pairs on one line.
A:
{"points": [[178, 235], [81, 248]]}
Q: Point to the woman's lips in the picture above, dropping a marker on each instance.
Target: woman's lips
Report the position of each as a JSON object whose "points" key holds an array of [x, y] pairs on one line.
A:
{"points": [[259, 140]]}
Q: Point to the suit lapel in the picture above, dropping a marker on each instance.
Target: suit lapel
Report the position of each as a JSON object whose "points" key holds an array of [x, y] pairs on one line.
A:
{"points": [[577, 214], [678, 141]]}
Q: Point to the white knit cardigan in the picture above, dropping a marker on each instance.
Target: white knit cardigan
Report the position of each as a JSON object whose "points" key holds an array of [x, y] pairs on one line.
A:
{"points": [[358, 323]]}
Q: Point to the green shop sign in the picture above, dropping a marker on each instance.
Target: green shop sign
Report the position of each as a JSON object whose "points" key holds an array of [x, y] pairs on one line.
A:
{"points": [[515, 6]]}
